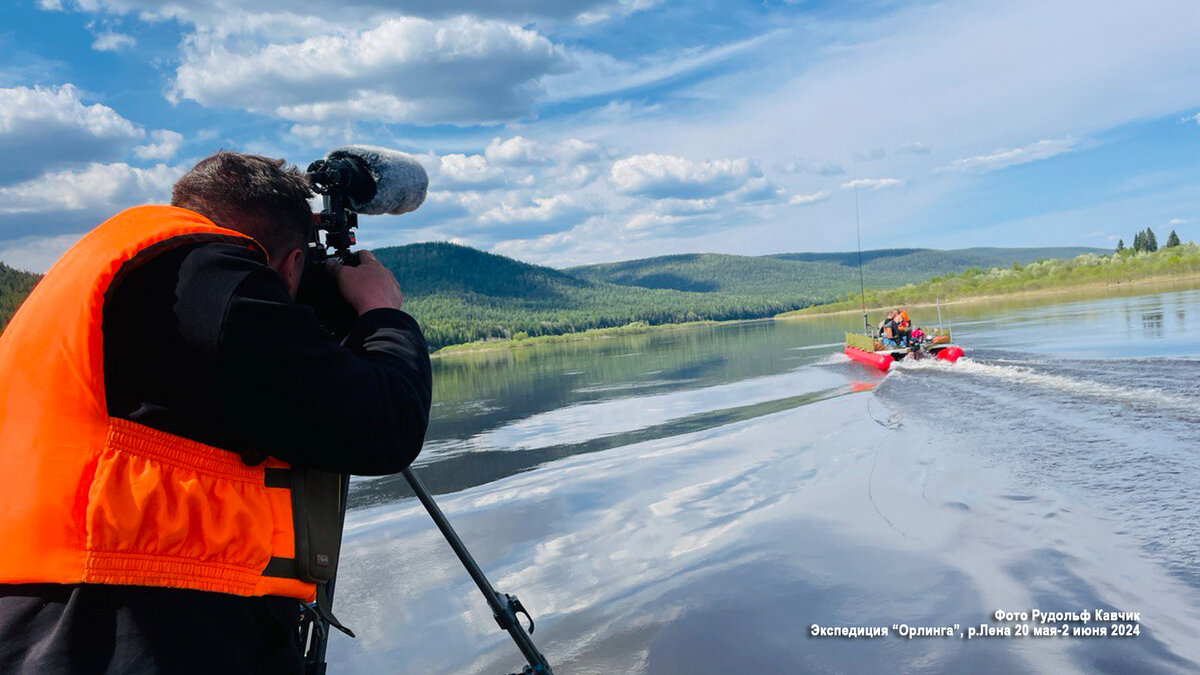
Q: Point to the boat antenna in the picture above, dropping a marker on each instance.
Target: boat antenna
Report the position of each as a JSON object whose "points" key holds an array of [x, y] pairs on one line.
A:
{"points": [[862, 288]]}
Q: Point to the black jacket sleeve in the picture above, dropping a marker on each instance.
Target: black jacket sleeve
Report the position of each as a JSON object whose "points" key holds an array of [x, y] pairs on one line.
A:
{"points": [[289, 390]]}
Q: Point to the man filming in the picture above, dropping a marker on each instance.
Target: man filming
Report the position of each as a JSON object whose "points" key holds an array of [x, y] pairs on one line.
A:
{"points": [[170, 422]]}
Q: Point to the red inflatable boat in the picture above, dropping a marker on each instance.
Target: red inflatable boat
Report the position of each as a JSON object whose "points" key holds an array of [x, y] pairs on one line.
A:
{"points": [[880, 361], [861, 348]]}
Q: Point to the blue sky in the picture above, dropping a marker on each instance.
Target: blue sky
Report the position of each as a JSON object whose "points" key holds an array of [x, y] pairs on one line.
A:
{"points": [[573, 132]]}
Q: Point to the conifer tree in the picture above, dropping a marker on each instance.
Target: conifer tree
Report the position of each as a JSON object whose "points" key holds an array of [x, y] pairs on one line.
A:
{"points": [[1120, 245], [1139, 242], [1173, 240], [1151, 241]]}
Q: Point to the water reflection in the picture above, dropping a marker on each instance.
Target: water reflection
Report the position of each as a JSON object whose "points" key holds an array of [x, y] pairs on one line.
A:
{"points": [[692, 501], [1152, 324], [499, 413], [695, 553]]}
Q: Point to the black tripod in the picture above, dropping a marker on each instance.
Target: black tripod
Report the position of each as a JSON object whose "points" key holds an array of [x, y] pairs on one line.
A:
{"points": [[343, 181], [505, 607]]}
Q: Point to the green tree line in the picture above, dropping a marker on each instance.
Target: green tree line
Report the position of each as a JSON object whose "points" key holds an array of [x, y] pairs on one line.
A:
{"points": [[1145, 241], [14, 286], [1121, 267]]}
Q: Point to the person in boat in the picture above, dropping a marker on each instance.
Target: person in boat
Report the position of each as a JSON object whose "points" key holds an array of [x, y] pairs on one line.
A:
{"points": [[166, 408], [903, 327], [889, 331]]}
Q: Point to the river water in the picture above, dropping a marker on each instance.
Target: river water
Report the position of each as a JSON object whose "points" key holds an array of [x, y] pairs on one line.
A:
{"points": [[694, 501]]}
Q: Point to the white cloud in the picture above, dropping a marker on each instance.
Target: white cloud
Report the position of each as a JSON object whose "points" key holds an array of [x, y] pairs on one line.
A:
{"points": [[642, 225], [756, 190], [457, 170], [599, 74], [575, 151], [582, 244], [440, 207], [684, 207], [800, 165], [561, 212], [1176, 221], [1005, 157], [457, 71], [801, 200], [43, 128], [326, 134], [98, 184], [872, 183], [913, 149], [516, 151], [1192, 118], [113, 42], [69, 201], [36, 254], [230, 16], [655, 175], [164, 145], [576, 176]]}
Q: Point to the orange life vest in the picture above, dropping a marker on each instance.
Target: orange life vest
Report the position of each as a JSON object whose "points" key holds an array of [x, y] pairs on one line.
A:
{"points": [[88, 498]]}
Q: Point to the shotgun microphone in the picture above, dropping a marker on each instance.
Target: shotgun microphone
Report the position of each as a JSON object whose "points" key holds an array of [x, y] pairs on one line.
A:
{"points": [[376, 181]]}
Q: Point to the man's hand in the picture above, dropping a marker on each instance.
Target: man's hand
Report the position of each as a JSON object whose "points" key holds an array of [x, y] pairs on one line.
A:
{"points": [[368, 286]]}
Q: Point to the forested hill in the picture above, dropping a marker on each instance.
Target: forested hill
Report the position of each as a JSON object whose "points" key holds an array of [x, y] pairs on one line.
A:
{"points": [[440, 267], [820, 275], [461, 294], [14, 286]]}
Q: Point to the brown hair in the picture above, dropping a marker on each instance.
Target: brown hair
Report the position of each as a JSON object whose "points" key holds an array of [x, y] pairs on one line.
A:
{"points": [[259, 196]]}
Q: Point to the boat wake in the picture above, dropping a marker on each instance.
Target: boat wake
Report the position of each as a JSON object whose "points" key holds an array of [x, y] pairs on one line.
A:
{"points": [[1149, 397], [1123, 443], [835, 359]]}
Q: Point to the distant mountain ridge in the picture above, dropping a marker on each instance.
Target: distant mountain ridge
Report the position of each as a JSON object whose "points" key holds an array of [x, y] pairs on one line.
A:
{"points": [[978, 255], [822, 276], [441, 267]]}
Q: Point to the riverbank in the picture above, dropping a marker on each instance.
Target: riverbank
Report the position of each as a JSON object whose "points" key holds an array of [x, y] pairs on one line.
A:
{"points": [[1084, 274], [1148, 284], [635, 328]]}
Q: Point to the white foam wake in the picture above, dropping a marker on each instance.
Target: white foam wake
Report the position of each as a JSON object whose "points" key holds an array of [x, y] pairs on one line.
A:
{"points": [[1074, 386], [832, 359]]}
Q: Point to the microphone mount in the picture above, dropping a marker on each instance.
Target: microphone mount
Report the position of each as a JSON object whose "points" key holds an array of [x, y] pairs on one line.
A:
{"points": [[343, 181]]}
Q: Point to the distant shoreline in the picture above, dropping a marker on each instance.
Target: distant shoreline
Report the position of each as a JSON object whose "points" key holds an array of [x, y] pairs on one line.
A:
{"points": [[1191, 279], [581, 336], [1178, 279]]}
